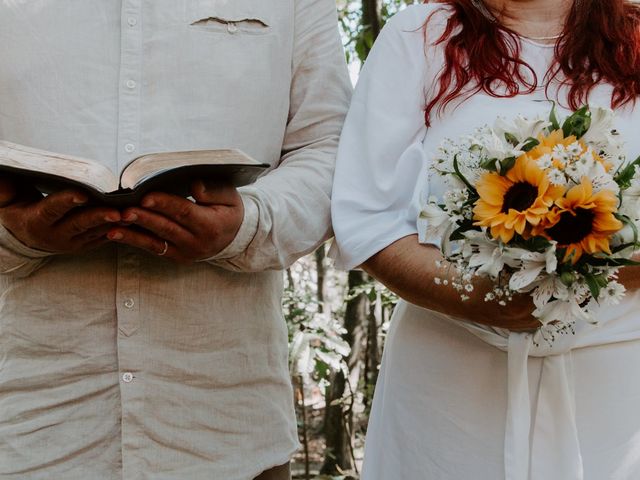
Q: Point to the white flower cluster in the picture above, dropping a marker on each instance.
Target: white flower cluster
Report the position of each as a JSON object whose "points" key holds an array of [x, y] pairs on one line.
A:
{"points": [[567, 164]]}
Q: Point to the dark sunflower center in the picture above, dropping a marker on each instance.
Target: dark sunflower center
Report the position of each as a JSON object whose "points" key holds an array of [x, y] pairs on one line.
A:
{"points": [[519, 197], [572, 228]]}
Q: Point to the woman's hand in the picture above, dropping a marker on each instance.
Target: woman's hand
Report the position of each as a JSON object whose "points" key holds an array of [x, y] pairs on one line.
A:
{"points": [[409, 269]]}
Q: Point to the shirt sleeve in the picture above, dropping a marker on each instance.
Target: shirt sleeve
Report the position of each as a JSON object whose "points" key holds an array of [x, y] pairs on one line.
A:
{"points": [[381, 160], [287, 211], [16, 258]]}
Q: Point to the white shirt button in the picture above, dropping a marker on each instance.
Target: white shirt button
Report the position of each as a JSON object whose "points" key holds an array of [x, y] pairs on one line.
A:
{"points": [[129, 303], [131, 84], [127, 377], [129, 147], [232, 27], [132, 21]]}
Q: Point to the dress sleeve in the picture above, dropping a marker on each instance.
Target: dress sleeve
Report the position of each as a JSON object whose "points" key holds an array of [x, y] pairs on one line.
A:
{"points": [[380, 161]]}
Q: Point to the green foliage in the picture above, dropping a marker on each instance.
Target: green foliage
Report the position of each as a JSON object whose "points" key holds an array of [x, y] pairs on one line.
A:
{"points": [[578, 123], [359, 38], [315, 344], [624, 176]]}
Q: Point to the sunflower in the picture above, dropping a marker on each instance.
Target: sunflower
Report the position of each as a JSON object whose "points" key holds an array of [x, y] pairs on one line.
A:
{"points": [[583, 221], [509, 204]]}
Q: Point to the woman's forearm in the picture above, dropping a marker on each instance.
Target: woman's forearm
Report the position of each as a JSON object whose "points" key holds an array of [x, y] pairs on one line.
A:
{"points": [[630, 276], [409, 269]]}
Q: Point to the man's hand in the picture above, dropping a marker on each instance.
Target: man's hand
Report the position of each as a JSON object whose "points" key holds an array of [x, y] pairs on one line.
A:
{"points": [[57, 223], [192, 231]]}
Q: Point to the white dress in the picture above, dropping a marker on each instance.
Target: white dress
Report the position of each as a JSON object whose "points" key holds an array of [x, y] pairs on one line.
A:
{"points": [[450, 402]]}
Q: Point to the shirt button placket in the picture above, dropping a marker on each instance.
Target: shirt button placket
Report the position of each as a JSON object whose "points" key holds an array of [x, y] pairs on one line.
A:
{"points": [[130, 354]]}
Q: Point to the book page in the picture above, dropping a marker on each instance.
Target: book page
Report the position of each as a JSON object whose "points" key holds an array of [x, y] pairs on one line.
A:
{"points": [[147, 166], [87, 172]]}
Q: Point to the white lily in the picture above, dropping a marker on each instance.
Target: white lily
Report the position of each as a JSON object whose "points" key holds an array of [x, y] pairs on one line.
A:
{"points": [[601, 179], [546, 288], [496, 146], [601, 126], [565, 311], [533, 263], [434, 225], [634, 189], [489, 257], [521, 127]]}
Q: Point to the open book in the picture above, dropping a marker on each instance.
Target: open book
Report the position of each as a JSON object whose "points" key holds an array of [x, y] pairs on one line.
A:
{"points": [[171, 172]]}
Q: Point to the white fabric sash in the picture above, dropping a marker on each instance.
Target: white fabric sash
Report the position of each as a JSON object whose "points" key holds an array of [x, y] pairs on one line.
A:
{"points": [[551, 441]]}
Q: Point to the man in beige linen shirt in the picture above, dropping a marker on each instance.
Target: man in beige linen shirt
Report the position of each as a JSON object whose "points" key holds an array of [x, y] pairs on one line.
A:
{"points": [[118, 363]]}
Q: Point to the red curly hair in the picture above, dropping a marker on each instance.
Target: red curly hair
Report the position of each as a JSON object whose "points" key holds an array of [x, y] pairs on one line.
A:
{"points": [[600, 44]]}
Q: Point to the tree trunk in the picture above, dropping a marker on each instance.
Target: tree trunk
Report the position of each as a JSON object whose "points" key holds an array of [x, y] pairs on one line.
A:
{"points": [[321, 273], [372, 353], [371, 16], [338, 426]]}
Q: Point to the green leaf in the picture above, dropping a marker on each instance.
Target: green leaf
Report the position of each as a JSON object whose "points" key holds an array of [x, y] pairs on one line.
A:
{"points": [[578, 123], [465, 226], [622, 247], [624, 176], [511, 139], [489, 164], [536, 244], [553, 118], [506, 165], [593, 284], [456, 167], [612, 262], [530, 144]]}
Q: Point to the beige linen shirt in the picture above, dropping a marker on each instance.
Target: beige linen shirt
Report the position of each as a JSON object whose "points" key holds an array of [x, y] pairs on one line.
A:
{"points": [[120, 365]]}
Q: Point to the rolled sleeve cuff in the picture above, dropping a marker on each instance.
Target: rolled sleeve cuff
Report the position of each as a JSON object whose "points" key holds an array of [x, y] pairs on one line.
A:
{"points": [[16, 246], [245, 234]]}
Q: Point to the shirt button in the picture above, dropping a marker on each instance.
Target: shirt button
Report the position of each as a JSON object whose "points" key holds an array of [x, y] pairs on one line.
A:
{"points": [[131, 84], [127, 377], [129, 303], [232, 27], [129, 147], [132, 21]]}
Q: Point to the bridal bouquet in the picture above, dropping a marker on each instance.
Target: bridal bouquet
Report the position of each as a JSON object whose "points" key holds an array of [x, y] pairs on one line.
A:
{"points": [[540, 207]]}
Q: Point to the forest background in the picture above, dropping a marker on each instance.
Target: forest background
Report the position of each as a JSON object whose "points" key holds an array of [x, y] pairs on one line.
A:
{"points": [[337, 321]]}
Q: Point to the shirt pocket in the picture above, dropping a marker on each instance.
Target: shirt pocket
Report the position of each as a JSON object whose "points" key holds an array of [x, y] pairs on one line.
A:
{"points": [[229, 17]]}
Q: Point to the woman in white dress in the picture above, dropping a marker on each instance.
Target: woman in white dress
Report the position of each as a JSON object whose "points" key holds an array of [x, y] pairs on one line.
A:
{"points": [[458, 398]]}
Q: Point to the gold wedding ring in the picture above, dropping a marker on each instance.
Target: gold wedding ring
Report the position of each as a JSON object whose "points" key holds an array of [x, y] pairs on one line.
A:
{"points": [[164, 250]]}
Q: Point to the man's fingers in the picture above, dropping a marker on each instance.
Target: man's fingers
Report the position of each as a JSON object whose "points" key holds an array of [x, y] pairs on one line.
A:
{"points": [[158, 224], [92, 234], [55, 206], [144, 241], [8, 191], [91, 239], [209, 193], [182, 211], [79, 222]]}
